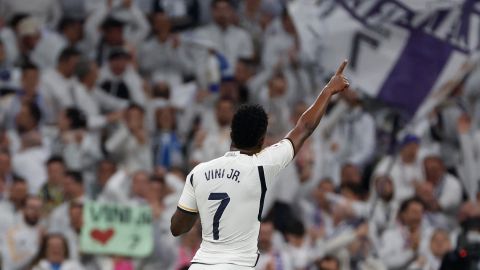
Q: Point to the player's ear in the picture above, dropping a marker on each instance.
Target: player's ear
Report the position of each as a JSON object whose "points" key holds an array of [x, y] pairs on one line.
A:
{"points": [[261, 142]]}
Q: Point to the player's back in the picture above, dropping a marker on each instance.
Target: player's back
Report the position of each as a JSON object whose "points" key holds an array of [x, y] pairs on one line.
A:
{"points": [[228, 193]]}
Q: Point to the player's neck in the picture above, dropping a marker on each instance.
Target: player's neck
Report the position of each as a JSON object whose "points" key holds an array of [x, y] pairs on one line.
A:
{"points": [[249, 152]]}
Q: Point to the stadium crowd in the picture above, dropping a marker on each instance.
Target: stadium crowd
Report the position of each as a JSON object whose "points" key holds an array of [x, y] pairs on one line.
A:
{"points": [[116, 100]]}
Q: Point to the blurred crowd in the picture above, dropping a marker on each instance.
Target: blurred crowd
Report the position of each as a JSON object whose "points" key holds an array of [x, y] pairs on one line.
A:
{"points": [[116, 100]]}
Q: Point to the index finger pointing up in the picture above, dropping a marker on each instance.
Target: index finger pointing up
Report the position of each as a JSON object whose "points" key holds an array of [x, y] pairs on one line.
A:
{"points": [[341, 68]]}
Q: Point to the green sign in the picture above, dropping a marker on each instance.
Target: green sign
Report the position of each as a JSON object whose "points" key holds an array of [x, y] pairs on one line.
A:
{"points": [[117, 230]]}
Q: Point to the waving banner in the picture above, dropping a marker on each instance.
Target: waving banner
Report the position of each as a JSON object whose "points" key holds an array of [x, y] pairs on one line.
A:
{"points": [[399, 50]]}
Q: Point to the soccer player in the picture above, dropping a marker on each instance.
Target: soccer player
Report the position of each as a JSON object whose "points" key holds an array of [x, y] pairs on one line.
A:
{"points": [[228, 192]]}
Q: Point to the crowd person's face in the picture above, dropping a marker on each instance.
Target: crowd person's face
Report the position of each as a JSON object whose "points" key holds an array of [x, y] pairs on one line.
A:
{"points": [[70, 65], [74, 32], [385, 188], [134, 119], [55, 252], [30, 79], [266, 235], [118, 65], [24, 119], [56, 173], [33, 211], [288, 25], [224, 112], [18, 193], [329, 265], [242, 73], [277, 87], [140, 185], [30, 42], [71, 188], [412, 216], [114, 36], [409, 152], [106, 169], [92, 75], [350, 174], [165, 118], [222, 14], [5, 164], [161, 24], [440, 243], [3, 55], [434, 169], [319, 193], [76, 217]]}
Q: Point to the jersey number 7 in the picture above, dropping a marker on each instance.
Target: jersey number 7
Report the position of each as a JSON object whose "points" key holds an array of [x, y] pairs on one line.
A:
{"points": [[218, 214]]}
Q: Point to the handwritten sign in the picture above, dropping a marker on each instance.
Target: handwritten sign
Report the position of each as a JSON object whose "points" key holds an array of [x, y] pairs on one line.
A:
{"points": [[117, 230]]}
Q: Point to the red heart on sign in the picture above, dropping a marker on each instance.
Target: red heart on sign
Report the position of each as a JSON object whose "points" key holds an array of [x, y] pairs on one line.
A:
{"points": [[102, 236]]}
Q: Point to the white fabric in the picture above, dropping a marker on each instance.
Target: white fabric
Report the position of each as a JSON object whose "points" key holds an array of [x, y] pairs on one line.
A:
{"points": [[234, 176]]}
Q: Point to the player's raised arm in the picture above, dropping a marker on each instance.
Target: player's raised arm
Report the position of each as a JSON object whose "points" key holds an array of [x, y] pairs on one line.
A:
{"points": [[310, 119]]}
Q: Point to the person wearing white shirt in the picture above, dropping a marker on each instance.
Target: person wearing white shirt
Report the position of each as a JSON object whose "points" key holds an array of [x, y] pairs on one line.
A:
{"points": [[29, 161], [36, 44], [441, 193], [439, 245], [401, 245], [212, 144], [163, 56], [57, 84], [226, 39], [121, 23], [119, 78], [13, 205], [130, 143], [272, 256], [94, 101], [470, 156], [53, 254], [406, 170], [22, 240]]}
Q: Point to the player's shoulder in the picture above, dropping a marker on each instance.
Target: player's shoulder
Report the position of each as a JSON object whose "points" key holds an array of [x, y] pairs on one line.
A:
{"points": [[283, 147]]}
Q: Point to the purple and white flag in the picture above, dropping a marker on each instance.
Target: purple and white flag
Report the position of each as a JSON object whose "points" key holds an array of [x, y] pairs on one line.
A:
{"points": [[399, 50]]}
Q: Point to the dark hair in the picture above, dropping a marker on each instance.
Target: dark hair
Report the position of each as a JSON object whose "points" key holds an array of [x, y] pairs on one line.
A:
{"points": [[18, 180], [28, 65], [16, 19], [66, 22], [42, 251], [68, 53], [249, 126], [215, 2], [405, 204], [111, 22], [77, 118], [295, 227], [134, 106], [35, 111], [76, 176], [327, 258], [55, 159]]}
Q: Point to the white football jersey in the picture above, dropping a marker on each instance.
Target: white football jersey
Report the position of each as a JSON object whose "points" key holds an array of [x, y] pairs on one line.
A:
{"points": [[228, 193]]}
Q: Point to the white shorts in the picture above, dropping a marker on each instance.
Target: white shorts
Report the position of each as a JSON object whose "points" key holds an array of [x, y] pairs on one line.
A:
{"points": [[198, 266]]}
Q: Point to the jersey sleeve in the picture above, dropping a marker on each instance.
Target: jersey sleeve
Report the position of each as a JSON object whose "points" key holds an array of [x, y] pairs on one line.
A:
{"points": [[276, 157], [187, 200]]}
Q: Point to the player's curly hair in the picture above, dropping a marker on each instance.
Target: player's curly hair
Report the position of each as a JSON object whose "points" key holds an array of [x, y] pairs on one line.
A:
{"points": [[249, 126]]}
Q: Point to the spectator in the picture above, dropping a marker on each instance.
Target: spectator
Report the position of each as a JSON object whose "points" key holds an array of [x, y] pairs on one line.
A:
{"points": [[57, 84], [52, 192], [22, 240], [226, 39], [167, 143], [328, 263], [74, 193], [48, 11], [54, 254], [105, 170], [130, 144], [441, 193], [36, 45], [12, 206], [119, 79], [403, 244], [405, 171], [271, 257], [163, 55]]}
